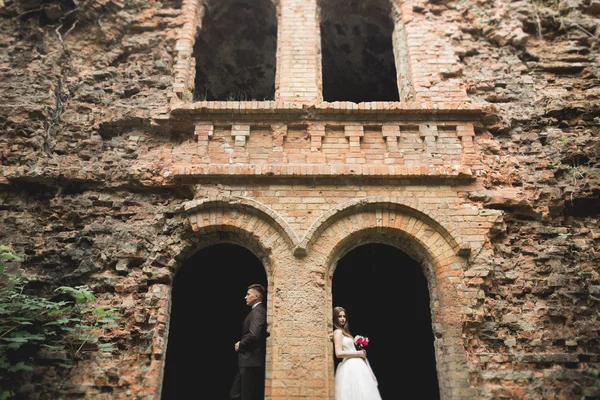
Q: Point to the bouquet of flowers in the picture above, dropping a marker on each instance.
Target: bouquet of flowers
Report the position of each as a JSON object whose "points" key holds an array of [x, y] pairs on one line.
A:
{"points": [[361, 342]]}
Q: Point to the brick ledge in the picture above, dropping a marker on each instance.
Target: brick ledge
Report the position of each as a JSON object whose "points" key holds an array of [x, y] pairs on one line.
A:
{"points": [[314, 170], [328, 108]]}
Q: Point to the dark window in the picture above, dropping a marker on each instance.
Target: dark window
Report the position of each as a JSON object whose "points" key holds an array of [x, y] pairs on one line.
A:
{"points": [[235, 51], [357, 51]]}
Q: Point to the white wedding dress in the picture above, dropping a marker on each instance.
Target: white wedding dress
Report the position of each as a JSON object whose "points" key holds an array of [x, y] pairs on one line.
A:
{"points": [[354, 379]]}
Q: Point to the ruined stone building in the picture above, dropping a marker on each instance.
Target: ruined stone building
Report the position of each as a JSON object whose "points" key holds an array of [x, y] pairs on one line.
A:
{"points": [[432, 166]]}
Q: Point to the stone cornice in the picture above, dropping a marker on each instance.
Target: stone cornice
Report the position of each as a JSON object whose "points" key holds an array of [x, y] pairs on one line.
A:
{"points": [[285, 110], [323, 171]]}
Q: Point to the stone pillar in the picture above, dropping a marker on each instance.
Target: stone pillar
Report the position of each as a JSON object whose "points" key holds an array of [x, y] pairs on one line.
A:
{"points": [[298, 73], [299, 358]]}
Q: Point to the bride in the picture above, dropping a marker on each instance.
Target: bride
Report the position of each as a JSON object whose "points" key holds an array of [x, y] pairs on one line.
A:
{"points": [[354, 379]]}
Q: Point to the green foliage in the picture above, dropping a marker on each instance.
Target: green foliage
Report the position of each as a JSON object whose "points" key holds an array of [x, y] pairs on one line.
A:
{"points": [[597, 120], [35, 330], [6, 253], [595, 375]]}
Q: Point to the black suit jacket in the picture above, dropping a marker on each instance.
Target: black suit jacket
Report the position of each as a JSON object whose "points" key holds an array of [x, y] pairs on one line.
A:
{"points": [[253, 343]]}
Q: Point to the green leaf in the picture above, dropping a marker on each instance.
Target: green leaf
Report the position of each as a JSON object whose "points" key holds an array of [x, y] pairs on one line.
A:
{"points": [[100, 312], [6, 394], [20, 366], [21, 319], [24, 338], [61, 321], [51, 347], [58, 311], [106, 347], [38, 323], [65, 364], [10, 256]]}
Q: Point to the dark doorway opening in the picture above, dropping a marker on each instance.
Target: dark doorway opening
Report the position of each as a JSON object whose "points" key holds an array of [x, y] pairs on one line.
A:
{"points": [[357, 51], [206, 320], [235, 51], [386, 298]]}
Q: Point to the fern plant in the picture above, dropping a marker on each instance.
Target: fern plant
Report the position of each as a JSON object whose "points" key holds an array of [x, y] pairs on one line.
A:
{"points": [[33, 327]]}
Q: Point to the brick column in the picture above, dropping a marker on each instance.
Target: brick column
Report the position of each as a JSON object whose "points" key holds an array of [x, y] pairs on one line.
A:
{"points": [[470, 156], [354, 134], [278, 133], [431, 62], [240, 133], [298, 74], [391, 134], [316, 133], [203, 134], [429, 134], [185, 64]]}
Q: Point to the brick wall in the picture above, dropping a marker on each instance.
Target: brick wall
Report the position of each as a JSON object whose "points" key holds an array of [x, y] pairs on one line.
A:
{"points": [[116, 178]]}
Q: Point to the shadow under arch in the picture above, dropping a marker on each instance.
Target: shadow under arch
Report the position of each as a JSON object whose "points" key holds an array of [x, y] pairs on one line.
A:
{"points": [[386, 298], [400, 240], [440, 265], [207, 312], [220, 221]]}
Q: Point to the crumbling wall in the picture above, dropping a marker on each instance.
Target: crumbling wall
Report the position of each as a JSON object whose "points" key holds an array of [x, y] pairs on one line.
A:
{"points": [[538, 63], [79, 81]]}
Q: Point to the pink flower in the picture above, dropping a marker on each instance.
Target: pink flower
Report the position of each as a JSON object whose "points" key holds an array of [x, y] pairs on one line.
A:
{"points": [[361, 342]]}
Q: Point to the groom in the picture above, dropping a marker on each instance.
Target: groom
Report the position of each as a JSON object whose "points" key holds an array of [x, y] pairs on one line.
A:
{"points": [[249, 383]]}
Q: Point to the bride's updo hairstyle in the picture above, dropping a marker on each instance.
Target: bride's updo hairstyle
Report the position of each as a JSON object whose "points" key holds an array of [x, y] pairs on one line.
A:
{"points": [[336, 318]]}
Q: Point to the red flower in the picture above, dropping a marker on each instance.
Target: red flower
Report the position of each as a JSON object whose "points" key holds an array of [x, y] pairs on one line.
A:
{"points": [[361, 342]]}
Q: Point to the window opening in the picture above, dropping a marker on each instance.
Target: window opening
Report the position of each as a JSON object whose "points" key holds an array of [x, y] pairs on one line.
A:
{"points": [[357, 51], [235, 51]]}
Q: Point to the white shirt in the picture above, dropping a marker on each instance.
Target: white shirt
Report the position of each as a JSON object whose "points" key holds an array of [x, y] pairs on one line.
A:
{"points": [[256, 304]]}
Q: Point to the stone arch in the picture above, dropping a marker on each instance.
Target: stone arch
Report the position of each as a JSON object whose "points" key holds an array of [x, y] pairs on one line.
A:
{"points": [[244, 222], [388, 207], [421, 238], [207, 296], [244, 217]]}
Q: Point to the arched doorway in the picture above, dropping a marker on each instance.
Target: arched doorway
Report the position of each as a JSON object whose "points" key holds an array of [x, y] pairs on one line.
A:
{"points": [[385, 294], [207, 313]]}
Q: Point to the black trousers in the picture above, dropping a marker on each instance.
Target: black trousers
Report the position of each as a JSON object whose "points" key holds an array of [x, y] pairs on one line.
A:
{"points": [[249, 384]]}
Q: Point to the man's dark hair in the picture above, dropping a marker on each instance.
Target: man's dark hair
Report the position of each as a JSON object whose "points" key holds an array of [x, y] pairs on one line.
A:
{"points": [[258, 288]]}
